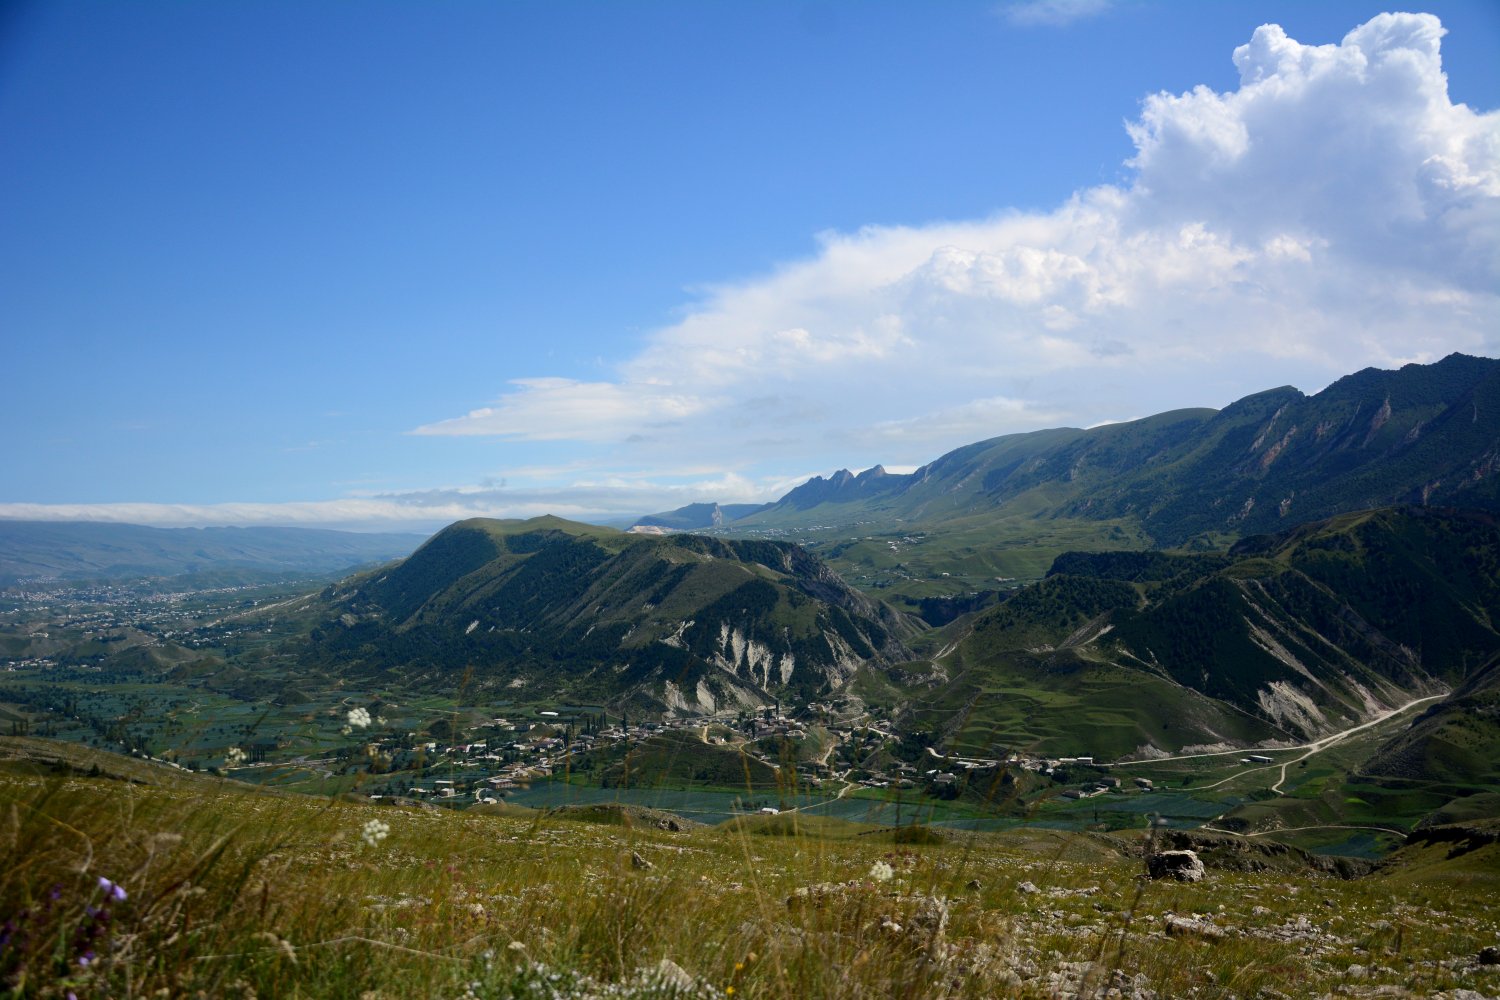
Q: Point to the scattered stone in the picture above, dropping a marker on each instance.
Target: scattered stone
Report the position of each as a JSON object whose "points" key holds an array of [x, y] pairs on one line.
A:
{"points": [[1027, 889], [1489, 955], [1356, 972], [1184, 866], [817, 894], [1194, 926], [636, 861], [674, 976], [974, 884], [1060, 891]]}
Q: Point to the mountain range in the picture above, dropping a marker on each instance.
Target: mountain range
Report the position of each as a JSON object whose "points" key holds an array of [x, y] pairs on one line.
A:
{"points": [[1420, 434]]}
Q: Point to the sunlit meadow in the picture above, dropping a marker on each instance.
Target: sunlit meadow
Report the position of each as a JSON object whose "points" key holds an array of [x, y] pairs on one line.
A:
{"points": [[185, 885]]}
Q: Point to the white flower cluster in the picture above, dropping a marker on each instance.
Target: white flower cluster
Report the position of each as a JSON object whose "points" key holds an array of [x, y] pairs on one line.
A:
{"points": [[375, 831], [359, 718], [234, 757], [882, 872]]}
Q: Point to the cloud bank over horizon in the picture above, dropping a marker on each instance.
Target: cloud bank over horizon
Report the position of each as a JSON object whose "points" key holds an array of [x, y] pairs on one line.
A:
{"points": [[604, 498], [1336, 210]]}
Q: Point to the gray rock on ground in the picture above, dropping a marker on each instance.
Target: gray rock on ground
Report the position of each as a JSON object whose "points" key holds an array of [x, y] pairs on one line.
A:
{"points": [[1184, 866]]}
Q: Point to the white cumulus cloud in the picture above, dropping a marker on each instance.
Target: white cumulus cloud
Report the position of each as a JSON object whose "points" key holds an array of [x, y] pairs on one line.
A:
{"points": [[1335, 210]]}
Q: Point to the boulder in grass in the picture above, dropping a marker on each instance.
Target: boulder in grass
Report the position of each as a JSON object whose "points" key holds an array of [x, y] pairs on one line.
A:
{"points": [[1184, 866]]}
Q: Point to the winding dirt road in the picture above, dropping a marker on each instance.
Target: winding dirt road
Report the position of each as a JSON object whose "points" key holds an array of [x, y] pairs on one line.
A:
{"points": [[1316, 746]]}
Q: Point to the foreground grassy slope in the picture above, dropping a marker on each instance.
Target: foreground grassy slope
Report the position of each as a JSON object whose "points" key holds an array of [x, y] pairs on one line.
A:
{"points": [[230, 891]]}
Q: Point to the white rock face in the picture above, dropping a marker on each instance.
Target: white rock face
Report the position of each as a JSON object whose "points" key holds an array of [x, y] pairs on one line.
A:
{"points": [[745, 657], [675, 639], [702, 700], [1291, 707]]}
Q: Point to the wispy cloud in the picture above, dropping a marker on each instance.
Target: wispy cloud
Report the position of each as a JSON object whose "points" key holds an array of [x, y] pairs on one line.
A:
{"points": [[1052, 13], [969, 421], [560, 409]]}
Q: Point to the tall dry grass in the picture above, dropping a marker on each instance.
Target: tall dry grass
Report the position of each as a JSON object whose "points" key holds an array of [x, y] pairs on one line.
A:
{"points": [[235, 892]]}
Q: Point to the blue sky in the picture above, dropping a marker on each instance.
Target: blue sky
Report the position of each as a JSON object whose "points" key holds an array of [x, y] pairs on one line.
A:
{"points": [[389, 264]]}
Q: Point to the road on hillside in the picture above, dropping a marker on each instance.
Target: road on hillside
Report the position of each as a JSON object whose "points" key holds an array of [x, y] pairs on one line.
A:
{"points": [[1316, 746], [1319, 826], [261, 609]]}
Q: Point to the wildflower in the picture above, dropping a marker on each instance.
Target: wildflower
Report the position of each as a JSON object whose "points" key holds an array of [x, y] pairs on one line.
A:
{"points": [[880, 871], [234, 757], [111, 890], [359, 718], [375, 831]]}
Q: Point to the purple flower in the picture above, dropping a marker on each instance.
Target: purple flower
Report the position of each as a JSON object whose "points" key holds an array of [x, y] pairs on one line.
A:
{"points": [[85, 959], [111, 889]]}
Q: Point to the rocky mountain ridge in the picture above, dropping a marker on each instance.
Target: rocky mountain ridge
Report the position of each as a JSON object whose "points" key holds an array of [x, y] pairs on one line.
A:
{"points": [[681, 623], [1425, 434]]}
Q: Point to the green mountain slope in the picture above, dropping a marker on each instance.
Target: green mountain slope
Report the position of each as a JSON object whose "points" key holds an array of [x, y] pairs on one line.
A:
{"points": [[1455, 741], [1288, 637], [681, 622], [1425, 434]]}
